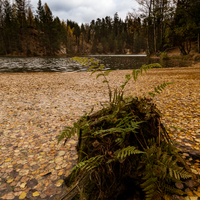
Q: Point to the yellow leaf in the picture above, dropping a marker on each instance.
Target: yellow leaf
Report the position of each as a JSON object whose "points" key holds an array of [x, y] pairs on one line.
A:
{"points": [[8, 159], [60, 173], [59, 183], [22, 195], [35, 194], [23, 185], [9, 180]]}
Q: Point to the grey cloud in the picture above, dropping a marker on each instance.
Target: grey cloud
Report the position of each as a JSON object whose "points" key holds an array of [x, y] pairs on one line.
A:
{"points": [[84, 11]]}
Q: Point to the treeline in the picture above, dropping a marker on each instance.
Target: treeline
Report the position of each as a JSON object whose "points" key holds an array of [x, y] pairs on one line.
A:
{"points": [[159, 24], [170, 23]]}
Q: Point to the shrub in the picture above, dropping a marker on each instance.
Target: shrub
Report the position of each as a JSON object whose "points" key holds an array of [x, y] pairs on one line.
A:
{"points": [[164, 56]]}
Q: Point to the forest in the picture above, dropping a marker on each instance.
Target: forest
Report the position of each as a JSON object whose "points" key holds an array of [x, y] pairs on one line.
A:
{"points": [[155, 27]]}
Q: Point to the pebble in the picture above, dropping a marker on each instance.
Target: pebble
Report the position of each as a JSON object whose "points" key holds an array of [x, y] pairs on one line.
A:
{"points": [[179, 185], [35, 107]]}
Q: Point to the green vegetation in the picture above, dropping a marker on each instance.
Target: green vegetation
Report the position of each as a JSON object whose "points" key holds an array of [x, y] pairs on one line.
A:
{"points": [[160, 25], [124, 149], [164, 56]]}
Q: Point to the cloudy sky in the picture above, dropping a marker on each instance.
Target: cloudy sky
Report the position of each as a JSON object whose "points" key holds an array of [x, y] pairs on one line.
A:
{"points": [[84, 11]]}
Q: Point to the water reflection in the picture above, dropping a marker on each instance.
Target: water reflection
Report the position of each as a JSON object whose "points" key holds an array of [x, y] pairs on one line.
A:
{"points": [[55, 64]]}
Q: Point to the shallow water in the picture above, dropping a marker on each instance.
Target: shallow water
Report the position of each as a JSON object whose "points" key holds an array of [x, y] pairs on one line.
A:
{"points": [[57, 64]]}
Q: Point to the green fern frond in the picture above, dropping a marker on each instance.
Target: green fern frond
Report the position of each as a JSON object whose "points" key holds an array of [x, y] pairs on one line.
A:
{"points": [[107, 72], [162, 169], [136, 72], [159, 88], [88, 164], [123, 153], [149, 181], [170, 189], [128, 77], [68, 132], [79, 165], [98, 75], [127, 128], [119, 141], [92, 67]]}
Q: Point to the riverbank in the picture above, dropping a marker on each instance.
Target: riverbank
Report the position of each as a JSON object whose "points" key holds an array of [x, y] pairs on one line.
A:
{"points": [[174, 53], [35, 107]]}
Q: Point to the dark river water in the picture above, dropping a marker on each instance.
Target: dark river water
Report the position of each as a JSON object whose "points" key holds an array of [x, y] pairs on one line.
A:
{"points": [[57, 64]]}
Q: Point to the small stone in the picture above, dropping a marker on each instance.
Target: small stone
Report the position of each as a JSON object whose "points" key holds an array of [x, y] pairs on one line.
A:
{"points": [[14, 183], [3, 186], [31, 183], [54, 177], [17, 189], [50, 191], [61, 153], [73, 142], [24, 179], [23, 172], [33, 163], [176, 197], [75, 157], [189, 192], [18, 193], [58, 167], [185, 154], [43, 195], [64, 165], [51, 166], [189, 183], [95, 144], [179, 185], [198, 140], [10, 195], [58, 159]]}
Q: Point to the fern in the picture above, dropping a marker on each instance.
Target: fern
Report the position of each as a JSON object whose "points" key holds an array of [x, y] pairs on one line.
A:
{"points": [[123, 153], [68, 132], [118, 94], [159, 89], [88, 164], [136, 72], [161, 170], [170, 189]]}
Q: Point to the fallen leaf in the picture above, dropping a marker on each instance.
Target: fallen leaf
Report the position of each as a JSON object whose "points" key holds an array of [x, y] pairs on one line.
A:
{"points": [[22, 195]]}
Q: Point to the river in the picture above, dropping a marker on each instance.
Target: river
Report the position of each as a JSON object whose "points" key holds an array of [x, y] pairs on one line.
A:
{"points": [[62, 64]]}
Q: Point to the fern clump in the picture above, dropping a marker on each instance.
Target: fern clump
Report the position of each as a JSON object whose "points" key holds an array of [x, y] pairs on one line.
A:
{"points": [[123, 149]]}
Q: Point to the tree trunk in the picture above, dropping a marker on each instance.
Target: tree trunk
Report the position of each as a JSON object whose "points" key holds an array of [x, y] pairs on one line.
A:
{"points": [[3, 44], [155, 40], [154, 28], [198, 44], [148, 45]]}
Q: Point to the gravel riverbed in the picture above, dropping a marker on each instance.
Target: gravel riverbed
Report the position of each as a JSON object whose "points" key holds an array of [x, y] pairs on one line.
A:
{"points": [[35, 107]]}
